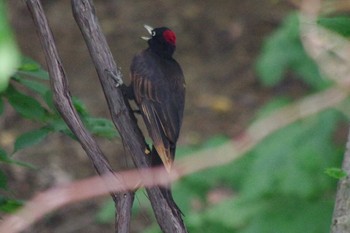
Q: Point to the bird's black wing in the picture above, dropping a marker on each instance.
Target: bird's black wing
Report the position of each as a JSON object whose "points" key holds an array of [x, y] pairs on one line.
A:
{"points": [[159, 91]]}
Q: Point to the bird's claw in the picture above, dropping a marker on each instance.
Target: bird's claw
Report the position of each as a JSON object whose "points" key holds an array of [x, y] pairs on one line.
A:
{"points": [[116, 75]]}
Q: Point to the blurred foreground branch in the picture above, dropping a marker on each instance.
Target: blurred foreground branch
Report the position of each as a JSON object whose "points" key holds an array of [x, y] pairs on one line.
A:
{"points": [[81, 190]]}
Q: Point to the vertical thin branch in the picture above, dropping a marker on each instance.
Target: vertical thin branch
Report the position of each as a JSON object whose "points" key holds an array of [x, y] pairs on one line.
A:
{"points": [[166, 211], [63, 103], [341, 213]]}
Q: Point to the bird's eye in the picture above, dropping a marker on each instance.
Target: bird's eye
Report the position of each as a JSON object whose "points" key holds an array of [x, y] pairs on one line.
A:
{"points": [[153, 33]]}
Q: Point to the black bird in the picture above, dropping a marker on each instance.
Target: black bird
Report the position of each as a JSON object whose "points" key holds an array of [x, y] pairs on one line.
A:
{"points": [[158, 87]]}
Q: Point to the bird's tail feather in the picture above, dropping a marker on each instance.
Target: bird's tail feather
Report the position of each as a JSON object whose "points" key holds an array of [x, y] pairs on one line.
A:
{"points": [[166, 190]]}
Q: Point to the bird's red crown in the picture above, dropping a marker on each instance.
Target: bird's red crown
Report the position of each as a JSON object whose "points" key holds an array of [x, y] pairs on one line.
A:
{"points": [[169, 36]]}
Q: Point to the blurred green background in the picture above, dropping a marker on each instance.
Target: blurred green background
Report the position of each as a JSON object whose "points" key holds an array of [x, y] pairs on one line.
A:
{"points": [[241, 59]]}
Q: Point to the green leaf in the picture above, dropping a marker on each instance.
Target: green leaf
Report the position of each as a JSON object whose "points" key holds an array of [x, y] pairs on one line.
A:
{"points": [[31, 68], [9, 54], [28, 64], [273, 59], [3, 155], [25, 105], [79, 106], [336, 173], [57, 124], [48, 98], [5, 159], [309, 72], [339, 24], [8, 205], [30, 138], [282, 51], [33, 85], [40, 74], [101, 127]]}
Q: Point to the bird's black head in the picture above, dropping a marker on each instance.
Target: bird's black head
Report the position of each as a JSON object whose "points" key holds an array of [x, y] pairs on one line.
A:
{"points": [[162, 41]]}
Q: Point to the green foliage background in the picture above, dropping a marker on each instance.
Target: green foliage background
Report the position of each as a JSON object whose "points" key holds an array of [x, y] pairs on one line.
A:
{"points": [[279, 186]]}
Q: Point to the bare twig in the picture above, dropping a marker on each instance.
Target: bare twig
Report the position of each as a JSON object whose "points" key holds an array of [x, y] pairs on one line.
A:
{"points": [[166, 211], [77, 191], [63, 103]]}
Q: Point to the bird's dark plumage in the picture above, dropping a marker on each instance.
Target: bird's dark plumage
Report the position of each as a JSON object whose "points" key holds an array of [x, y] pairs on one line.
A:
{"points": [[159, 91]]}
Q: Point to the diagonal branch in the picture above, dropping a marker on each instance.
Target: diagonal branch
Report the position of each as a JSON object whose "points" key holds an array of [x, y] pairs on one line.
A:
{"points": [[166, 211], [63, 103]]}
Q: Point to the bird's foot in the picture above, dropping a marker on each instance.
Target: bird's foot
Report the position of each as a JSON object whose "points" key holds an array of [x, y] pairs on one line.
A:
{"points": [[116, 75], [147, 150]]}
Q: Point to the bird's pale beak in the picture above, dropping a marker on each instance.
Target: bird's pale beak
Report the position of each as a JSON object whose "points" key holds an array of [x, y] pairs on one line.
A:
{"points": [[149, 29]]}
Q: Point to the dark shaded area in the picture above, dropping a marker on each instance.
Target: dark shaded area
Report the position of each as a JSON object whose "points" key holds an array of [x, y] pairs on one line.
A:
{"points": [[218, 42]]}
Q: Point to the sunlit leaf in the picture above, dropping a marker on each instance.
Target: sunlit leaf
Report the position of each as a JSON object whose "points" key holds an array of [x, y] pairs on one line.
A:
{"points": [[336, 173], [9, 55], [28, 64]]}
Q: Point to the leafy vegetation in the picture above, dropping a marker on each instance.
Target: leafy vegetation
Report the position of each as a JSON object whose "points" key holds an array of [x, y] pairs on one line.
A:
{"points": [[24, 87], [283, 52], [285, 184], [29, 95]]}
